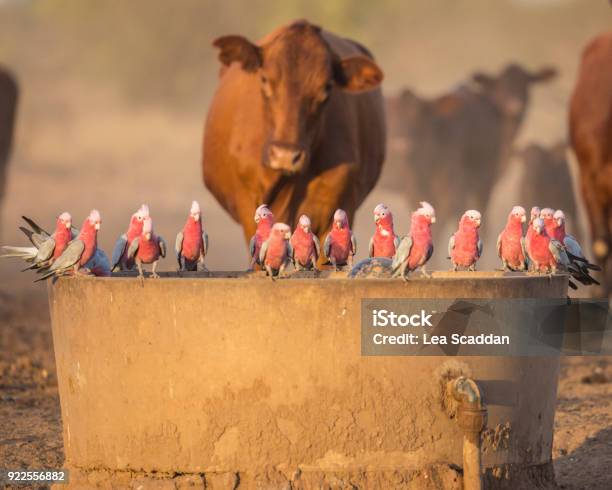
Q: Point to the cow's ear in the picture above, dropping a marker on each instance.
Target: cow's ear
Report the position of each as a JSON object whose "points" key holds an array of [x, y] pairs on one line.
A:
{"points": [[357, 73], [543, 74], [239, 49]]}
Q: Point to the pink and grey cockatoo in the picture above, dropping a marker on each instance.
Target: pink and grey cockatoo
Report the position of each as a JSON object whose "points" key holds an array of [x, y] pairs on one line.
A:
{"points": [[545, 253], [534, 214], [305, 245], [416, 248], [46, 248], [191, 244], [147, 248], [384, 242], [511, 243], [120, 260], [580, 264], [264, 219], [465, 246], [79, 251], [340, 245], [276, 253]]}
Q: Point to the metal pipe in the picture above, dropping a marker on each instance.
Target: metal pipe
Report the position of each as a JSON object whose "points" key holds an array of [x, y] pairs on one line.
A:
{"points": [[472, 418]]}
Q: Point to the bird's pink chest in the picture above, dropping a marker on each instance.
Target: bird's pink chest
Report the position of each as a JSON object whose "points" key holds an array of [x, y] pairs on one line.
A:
{"points": [[276, 253], [62, 237], [465, 252], [340, 245], [540, 251], [192, 242], [384, 244], [148, 250], [511, 248], [303, 247], [421, 243]]}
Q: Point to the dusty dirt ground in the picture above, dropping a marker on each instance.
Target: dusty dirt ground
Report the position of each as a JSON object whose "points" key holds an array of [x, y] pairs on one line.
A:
{"points": [[30, 433]]}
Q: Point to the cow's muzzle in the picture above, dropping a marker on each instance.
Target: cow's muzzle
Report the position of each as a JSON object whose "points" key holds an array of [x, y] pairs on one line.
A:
{"points": [[286, 158]]}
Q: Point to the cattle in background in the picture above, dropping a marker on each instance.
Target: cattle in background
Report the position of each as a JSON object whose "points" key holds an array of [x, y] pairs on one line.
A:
{"points": [[297, 122], [590, 124], [546, 181], [8, 105], [451, 149]]}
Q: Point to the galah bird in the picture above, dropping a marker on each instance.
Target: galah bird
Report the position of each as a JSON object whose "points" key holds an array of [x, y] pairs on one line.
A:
{"points": [[545, 253], [264, 219], [305, 245], [276, 253], [340, 245], [384, 242], [511, 243], [46, 247], [465, 246], [573, 250], [79, 251], [416, 248], [147, 249], [120, 260], [191, 244]]}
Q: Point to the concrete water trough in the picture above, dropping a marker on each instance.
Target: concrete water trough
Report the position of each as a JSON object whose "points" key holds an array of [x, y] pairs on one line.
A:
{"points": [[242, 382]]}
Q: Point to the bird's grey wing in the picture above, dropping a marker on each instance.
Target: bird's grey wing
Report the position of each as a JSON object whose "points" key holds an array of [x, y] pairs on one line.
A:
{"points": [[327, 245], [558, 252], [45, 251], [523, 247], [317, 245], [290, 250], [430, 251], [573, 247], [118, 250], [252, 246], [74, 232], [178, 245], [396, 241], [133, 248], [451, 244], [263, 251], [70, 256], [353, 243], [499, 243], [479, 245], [204, 243], [371, 247], [402, 252], [161, 243]]}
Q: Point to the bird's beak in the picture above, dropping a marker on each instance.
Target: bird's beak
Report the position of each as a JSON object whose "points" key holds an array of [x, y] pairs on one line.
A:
{"points": [[288, 235], [376, 217], [559, 222], [97, 226], [196, 217], [523, 218], [68, 224], [148, 236], [433, 219], [477, 222]]}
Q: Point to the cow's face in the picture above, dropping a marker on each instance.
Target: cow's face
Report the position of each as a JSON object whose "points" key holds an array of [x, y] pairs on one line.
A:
{"points": [[297, 74], [510, 90]]}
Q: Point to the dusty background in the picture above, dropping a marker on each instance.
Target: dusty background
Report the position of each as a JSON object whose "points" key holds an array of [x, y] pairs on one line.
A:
{"points": [[111, 113]]}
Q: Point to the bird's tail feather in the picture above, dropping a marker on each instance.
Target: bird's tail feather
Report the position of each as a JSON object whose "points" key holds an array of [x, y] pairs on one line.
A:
{"points": [[22, 252], [33, 225]]}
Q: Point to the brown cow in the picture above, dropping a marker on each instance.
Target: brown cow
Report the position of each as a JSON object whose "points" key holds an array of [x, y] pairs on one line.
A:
{"points": [[8, 104], [297, 122], [450, 150], [590, 124]]}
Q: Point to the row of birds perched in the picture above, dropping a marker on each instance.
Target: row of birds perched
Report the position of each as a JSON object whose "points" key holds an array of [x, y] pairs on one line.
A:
{"points": [[544, 248]]}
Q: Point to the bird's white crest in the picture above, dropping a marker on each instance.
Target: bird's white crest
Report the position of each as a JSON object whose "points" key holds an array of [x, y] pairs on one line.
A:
{"points": [[547, 213], [340, 215], [559, 214], [147, 226], [143, 211], [304, 220], [472, 213], [426, 209], [65, 216], [94, 216], [520, 210], [535, 212], [380, 208], [261, 211], [195, 208]]}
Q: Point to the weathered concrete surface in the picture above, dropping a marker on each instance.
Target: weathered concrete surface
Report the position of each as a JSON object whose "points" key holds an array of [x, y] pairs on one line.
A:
{"points": [[265, 380]]}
